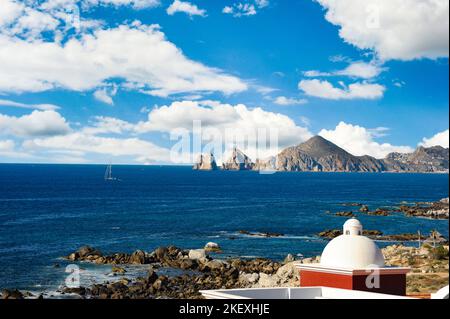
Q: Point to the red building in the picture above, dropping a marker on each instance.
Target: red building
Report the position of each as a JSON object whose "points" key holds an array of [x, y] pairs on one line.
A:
{"points": [[353, 261]]}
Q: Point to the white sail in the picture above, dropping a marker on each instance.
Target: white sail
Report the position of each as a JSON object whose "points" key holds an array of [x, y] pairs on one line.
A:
{"points": [[108, 174]]}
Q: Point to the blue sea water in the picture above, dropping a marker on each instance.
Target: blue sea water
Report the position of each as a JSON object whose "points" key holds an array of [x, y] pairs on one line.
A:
{"points": [[48, 211]]}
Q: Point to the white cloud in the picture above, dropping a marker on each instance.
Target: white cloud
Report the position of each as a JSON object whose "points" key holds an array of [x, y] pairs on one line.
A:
{"points": [[185, 7], [137, 4], [10, 11], [282, 100], [357, 69], [138, 54], [38, 123], [359, 141], [224, 118], [8, 149], [104, 125], [326, 90], [395, 29], [249, 8], [42, 107], [144, 151], [105, 95], [6, 145], [440, 139]]}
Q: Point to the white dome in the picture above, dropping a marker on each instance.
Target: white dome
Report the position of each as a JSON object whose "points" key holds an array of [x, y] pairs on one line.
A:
{"points": [[352, 250]]}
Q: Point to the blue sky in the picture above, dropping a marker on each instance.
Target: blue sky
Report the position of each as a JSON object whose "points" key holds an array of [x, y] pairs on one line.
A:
{"points": [[90, 81]]}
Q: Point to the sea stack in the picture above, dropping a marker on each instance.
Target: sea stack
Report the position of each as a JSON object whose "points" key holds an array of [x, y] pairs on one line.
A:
{"points": [[238, 162], [206, 163]]}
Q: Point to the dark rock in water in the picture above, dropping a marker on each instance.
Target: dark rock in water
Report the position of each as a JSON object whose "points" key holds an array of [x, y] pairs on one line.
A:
{"points": [[364, 209], [333, 233], [12, 294], [345, 214], [379, 212], [262, 234], [88, 251]]}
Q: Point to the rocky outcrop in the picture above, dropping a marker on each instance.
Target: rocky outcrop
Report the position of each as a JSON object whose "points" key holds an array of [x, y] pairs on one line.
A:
{"points": [[435, 210], [206, 163], [238, 161], [205, 273]]}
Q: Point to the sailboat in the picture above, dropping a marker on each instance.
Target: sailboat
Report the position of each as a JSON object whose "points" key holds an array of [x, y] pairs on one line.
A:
{"points": [[108, 174]]}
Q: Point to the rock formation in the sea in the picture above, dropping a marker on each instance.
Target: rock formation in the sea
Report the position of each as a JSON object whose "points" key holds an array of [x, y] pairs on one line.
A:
{"points": [[426, 160], [320, 155], [206, 163], [238, 161], [434, 210]]}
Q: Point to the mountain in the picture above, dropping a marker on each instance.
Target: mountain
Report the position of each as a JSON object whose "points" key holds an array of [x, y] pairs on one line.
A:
{"points": [[427, 160], [320, 155], [238, 161], [206, 163]]}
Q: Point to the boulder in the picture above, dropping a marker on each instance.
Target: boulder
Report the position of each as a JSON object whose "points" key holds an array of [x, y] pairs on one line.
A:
{"points": [[249, 278], [364, 209], [137, 258], [216, 265], [161, 253], [86, 251], [212, 247], [197, 254], [289, 258], [118, 270], [267, 281], [12, 294]]}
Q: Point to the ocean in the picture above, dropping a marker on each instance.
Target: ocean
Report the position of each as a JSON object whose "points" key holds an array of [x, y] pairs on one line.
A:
{"points": [[49, 211]]}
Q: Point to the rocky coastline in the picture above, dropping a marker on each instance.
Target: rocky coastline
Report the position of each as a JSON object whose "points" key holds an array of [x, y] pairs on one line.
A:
{"points": [[430, 266]]}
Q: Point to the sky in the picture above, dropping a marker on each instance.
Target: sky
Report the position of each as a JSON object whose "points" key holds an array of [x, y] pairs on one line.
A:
{"points": [[127, 81]]}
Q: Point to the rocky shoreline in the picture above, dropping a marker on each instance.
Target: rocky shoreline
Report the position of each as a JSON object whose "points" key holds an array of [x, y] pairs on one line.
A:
{"points": [[431, 210], [429, 272]]}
